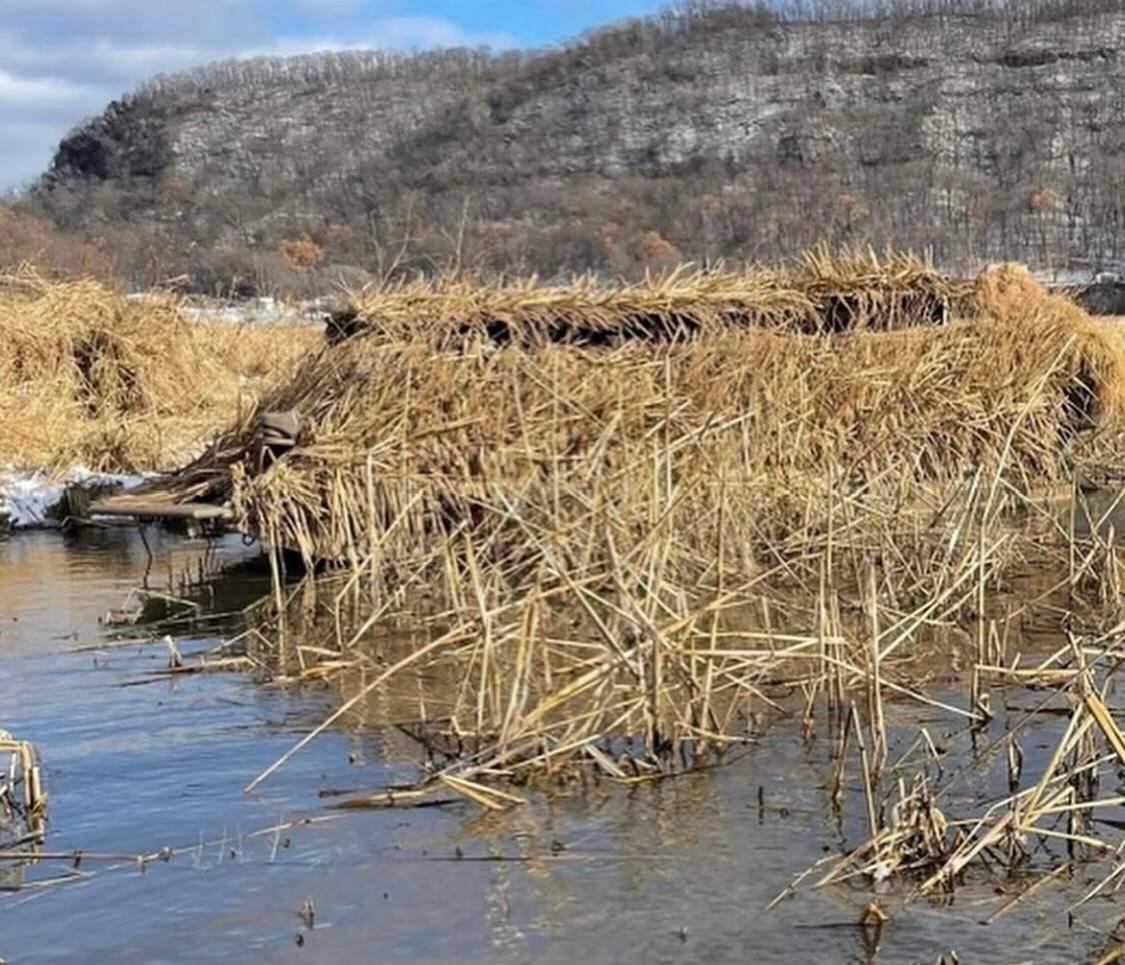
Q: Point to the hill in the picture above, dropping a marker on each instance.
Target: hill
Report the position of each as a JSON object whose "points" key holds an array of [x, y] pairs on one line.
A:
{"points": [[710, 131]]}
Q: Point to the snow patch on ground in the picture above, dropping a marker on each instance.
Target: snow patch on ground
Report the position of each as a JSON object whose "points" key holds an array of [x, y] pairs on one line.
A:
{"points": [[264, 311], [26, 498]]}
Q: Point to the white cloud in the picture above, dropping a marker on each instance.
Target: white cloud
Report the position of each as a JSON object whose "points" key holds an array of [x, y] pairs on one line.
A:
{"points": [[401, 33], [19, 92], [102, 61]]}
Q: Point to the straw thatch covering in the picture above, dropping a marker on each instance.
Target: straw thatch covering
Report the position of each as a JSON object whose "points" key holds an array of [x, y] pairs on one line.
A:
{"points": [[820, 293], [121, 385], [397, 441]]}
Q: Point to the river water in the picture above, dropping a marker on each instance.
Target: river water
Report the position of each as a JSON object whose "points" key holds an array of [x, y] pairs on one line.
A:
{"points": [[680, 871]]}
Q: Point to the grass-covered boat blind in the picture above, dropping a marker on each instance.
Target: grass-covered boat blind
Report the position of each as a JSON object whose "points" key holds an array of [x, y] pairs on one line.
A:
{"points": [[398, 439]]}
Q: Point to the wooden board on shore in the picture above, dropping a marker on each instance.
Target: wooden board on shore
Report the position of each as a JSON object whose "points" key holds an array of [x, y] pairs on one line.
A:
{"points": [[155, 509]]}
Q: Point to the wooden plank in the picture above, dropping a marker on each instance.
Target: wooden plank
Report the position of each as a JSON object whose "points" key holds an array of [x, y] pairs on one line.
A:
{"points": [[155, 510]]}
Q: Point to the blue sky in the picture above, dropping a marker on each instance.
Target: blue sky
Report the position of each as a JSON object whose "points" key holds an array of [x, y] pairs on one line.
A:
{"points": [[527, 23], [63, 60]]}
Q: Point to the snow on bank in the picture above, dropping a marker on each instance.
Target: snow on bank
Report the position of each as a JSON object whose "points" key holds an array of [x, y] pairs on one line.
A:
{"points": [[27, 498], [263, 311]]}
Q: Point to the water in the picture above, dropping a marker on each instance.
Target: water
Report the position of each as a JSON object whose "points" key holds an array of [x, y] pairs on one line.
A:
{"points": [[676, 872]]}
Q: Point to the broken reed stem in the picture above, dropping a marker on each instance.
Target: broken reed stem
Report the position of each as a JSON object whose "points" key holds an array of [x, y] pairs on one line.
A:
{"points": [[23, 801], [865, 766], [453, 636], [875, 684]]}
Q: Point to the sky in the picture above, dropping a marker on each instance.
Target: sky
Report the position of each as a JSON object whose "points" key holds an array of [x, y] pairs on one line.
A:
{"points": [[63, 60]]}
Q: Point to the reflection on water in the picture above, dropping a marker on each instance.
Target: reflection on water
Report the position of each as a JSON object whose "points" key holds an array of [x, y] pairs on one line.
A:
{"points": [[679, 871]]}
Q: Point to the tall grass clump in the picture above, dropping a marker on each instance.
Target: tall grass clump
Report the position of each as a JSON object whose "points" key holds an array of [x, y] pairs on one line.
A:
{"points": [[773, 440], [120, 384], [563, 535]]}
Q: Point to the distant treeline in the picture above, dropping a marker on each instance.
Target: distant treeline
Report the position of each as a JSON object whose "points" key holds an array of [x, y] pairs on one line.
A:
{"points": [[678, 19]]}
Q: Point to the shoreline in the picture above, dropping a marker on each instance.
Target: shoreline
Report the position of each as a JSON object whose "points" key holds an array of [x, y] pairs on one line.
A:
{"points": [[36, 500]]}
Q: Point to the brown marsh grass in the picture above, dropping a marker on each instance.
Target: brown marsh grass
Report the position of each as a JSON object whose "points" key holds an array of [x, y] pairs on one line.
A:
{"points": [[761, 436], [634, 540], [821, 292], [119, 384]]}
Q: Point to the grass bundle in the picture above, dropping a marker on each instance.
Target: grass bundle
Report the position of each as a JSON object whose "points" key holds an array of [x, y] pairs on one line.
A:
{"points": [[576, 564], [586, 648], [573, 564], [767, 442], [119, 384], [586, 516]]}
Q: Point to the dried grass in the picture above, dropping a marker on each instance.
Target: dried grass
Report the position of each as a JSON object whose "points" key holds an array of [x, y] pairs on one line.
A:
{"points": [[770, 444], [122, 385], [566, 564], [1009, 290], [577, 534], [788, 422], [23, 801], [821, 292]]}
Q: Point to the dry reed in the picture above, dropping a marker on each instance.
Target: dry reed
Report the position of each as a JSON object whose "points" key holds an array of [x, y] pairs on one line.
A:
{"points": [[119, 384], [583, 558], [791, 428], [23, 800], [820, 293], [615, 561], [577, 535]]}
